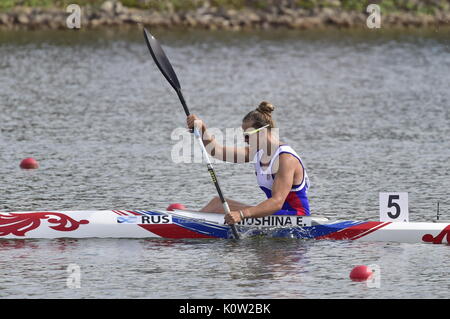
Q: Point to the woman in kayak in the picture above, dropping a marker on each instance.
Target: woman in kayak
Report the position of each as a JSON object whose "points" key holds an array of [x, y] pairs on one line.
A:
{"points": [[279, 170]]}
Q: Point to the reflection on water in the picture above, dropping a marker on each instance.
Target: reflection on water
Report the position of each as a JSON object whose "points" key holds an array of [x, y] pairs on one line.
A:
{"points": [[251, 268], [367, 111]]}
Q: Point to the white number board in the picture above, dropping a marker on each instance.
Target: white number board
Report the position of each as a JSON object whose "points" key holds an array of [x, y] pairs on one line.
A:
{"points": [[394, 207]]}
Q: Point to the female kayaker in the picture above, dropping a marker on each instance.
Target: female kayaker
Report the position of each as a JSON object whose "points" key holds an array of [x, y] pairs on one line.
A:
{"points": [[279, 170]]}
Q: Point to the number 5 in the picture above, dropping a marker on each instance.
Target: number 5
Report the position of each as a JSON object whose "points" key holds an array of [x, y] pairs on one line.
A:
{"points": [[391, 204], [394, 207]]}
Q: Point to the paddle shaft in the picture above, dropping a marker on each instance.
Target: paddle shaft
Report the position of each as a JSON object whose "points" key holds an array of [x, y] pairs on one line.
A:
{"points": [[209, 165], [211, 171], [166, 69]]}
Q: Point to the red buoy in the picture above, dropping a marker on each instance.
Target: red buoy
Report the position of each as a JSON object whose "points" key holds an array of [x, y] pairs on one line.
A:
{"points": [[361, 273], [175, 206], [29, 163]]}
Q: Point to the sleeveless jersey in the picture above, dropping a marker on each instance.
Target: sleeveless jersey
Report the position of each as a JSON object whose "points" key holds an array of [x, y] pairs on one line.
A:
{"points": [[297, 199]]}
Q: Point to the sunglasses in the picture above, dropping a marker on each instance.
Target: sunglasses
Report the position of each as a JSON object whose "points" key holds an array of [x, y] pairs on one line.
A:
{"points": [[248, 133]]}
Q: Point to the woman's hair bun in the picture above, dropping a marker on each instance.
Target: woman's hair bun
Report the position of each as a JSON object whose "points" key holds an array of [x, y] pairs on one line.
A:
{"points": [[261, 116], [265, 107]]}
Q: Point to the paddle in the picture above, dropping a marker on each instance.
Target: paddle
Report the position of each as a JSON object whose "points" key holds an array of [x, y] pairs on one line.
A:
{"points": [[166, 69]]}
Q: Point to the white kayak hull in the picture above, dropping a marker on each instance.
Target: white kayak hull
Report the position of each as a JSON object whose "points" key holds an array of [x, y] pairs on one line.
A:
{"points": [[186, 224]]}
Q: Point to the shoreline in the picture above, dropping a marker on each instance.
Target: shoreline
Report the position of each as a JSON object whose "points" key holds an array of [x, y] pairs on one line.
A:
{"points": [[113, 13]]}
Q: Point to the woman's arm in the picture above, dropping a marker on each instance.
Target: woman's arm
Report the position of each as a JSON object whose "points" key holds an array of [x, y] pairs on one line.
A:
{"points": [[232, 154], [282, 185]]}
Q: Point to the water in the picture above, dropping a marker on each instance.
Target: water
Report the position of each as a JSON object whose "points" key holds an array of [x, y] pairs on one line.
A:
{"points": [[368, 113], [124, 268]]}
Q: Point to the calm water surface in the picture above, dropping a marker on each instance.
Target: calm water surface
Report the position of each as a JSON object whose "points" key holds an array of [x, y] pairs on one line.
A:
{"points": [[368, 113]]}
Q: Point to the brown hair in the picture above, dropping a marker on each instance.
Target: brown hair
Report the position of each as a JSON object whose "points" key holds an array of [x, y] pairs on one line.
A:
{"points": [[261, 116]]}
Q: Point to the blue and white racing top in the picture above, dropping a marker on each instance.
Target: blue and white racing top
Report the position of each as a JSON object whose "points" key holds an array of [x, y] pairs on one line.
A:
{"points": [[297, 199]]}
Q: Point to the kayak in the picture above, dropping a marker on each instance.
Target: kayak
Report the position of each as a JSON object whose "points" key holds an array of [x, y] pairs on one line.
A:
{"points": [[190, 224]]}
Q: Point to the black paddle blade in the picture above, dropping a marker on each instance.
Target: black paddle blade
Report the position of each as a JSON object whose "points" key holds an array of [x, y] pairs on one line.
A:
{"points": [[161, 60]]}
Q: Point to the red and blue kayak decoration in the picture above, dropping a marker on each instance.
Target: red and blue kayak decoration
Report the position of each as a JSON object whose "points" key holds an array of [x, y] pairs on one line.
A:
{"points": [[190, 224]]}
